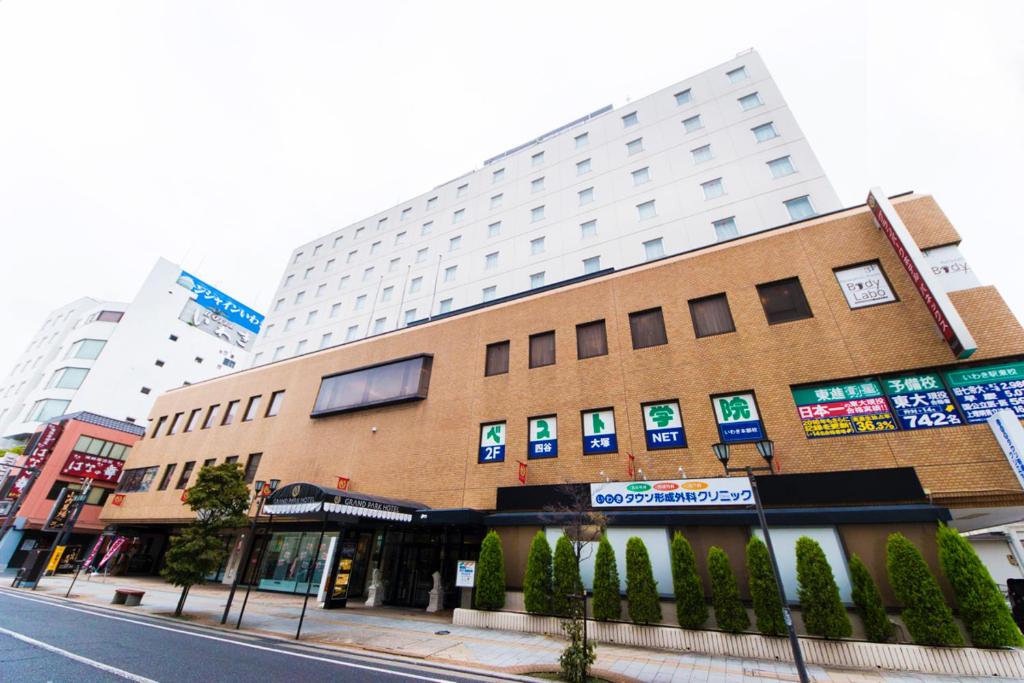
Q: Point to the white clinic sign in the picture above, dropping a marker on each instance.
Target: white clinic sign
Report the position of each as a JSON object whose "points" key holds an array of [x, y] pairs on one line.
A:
{"points": [[865, 285]]}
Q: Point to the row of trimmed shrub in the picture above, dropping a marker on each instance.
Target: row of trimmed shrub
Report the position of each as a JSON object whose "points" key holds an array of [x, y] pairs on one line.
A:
{"points": [[551, 578]]}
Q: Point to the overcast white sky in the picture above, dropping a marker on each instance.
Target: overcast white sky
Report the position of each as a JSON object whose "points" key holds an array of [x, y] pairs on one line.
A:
{"points": [[222, 134]]}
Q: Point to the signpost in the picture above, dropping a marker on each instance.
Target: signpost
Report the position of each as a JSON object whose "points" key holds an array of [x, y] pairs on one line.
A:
{"points": [[465, 574]]}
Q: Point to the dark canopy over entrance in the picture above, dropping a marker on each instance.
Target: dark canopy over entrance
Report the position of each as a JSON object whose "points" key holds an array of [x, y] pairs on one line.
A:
{"points": [[302, 499]]}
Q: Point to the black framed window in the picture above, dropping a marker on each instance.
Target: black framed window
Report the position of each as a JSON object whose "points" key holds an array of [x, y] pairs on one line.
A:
{"points": [[159, 425], [397, 381], [174, 423], [252, 463], [211, 416], [647, 328], [232, 459], [193, 417], [252, 408], [784, 301], [542, 349], [165, 480], [591, 340], [229, 414], [186, 474], [711, 316], [276, 399], [209, 462], [497, 358]]}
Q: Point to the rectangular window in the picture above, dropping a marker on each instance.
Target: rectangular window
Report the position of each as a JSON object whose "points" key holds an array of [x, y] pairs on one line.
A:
{"points": [[713, 189], [251, 409], [646, 210], [764, 132], [186, 474], [68, 378], [629, 120], [426, 228], [136, 479], [382, 222], [647, 328], [311, 317], [421, 254], [784, 301], [375, 248], [641, 176], [289, 324], [653, 249], [382, 384], [542, 349], [683, 97], [781, 167], [165, 481], [385, 294], [586, 196], [537, 280], [229, 414], [288, 280], [337, 241], [496, 200], [537, 184], [329, 266], [159, 425], [274, 406], [173, 429], [410, 316], [444, 306], [454, 243], [635, 146], [351, 255], [231, 459], [588, 229], [462, 190], [537, 159], [496, 362], [278, 304], [738, 74], [415, 284], [379, 324], [298, 255], [498, 175], [193, 418], [582, 140], [725, 229], [458, 215], [335, 309], [591, 340], [489, 293], [405, 213], [400, 237], [110, 316], [583, 167], [367, 273], [209, 462], [320, 289], [351, 333], [751, 101], [693, 123], [491, 261], [449, 273], [299, 296], [494, 229], [431, 203], [536, 246], [591, 265], [252, 463], [278, 352], [799, 208], [325, 340], [86, 349], [536, 214], [711, 316]]}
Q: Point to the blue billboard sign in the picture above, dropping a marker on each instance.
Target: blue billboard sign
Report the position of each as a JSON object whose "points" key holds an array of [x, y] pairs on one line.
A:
{"points": [[225, 306]]}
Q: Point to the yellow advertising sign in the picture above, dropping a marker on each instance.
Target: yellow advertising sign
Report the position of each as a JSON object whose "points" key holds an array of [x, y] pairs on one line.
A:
{"points": [[58, 553]]}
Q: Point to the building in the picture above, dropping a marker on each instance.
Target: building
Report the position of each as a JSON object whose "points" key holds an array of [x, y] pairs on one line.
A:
{"points": [[113, 359], [710, 158], [68, 450], [813, 335]]}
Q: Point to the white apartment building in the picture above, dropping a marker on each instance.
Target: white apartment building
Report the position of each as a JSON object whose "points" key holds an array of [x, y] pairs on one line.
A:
{"points": [[114, 359], [713, 157]]}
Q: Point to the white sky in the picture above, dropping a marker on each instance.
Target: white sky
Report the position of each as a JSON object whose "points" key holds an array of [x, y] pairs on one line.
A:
{"points": [[220, 135]]}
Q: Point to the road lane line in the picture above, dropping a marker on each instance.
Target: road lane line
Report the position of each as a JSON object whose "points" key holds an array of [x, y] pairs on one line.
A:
{"points": [[128, 675], [300, 655]]}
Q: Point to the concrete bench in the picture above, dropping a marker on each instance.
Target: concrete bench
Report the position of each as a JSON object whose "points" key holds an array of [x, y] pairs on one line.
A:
{"points": [[127, 597]]}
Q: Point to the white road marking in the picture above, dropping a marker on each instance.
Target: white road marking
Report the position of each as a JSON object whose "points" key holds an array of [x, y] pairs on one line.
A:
{"points": [[128, 675], [216, 638]]}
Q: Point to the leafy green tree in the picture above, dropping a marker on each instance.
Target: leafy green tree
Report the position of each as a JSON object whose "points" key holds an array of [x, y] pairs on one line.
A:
{"points": [[868, 600], [764, 591], [641, 588], [537, 583], [607, 594], [490, 585], [579, 656], [566, 582], [691, 608], [823, 610], [982, 607], [927, 616], [219, 500], [730, 614]]}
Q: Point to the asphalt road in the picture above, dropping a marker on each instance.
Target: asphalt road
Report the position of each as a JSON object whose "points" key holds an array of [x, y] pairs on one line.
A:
{"points": [[46, 640]]}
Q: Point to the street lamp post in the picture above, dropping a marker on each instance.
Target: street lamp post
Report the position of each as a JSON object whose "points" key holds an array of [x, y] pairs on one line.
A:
{"points": [[260, 492], [766, 448]]}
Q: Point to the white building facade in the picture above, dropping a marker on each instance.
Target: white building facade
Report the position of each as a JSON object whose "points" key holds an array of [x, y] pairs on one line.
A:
{"points": [[708, 159], [114, 359]]}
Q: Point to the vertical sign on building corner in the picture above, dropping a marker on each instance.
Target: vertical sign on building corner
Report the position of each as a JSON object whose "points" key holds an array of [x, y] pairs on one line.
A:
{"points": [[492, 442], [945, 315], [1010, 435]]}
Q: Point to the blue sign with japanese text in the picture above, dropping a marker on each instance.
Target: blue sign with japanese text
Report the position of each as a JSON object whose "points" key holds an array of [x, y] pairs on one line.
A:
{"points": [[599, 432], [492, 442], [663, 425], [738, 419], [921, 401], [215, 300], [982, 392], [543, 441]]}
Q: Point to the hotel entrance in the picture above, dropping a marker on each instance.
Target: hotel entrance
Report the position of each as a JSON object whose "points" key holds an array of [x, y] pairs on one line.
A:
{"points": [[410, 559]]}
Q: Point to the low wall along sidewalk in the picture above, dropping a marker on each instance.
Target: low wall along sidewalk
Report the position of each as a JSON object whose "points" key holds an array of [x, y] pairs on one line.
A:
{"points": [[965, 661]]}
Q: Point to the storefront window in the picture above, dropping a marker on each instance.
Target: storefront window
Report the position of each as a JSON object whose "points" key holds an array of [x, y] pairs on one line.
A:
{"points": [[289, 560]]}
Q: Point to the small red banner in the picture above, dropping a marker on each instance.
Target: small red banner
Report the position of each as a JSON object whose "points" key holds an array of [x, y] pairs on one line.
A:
{"points": [[118, 499], [630, 469], [343, 483], [522, 472]]}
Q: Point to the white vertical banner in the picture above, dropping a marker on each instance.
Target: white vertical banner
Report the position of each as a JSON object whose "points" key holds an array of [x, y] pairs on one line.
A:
{"points": [[1006, 427]]}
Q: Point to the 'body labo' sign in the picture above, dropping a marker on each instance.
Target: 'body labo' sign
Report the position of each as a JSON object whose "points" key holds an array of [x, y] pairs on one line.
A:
{"points": [[543, 441], [738, 419], [599, 432], [492, 442], [663, 425]]}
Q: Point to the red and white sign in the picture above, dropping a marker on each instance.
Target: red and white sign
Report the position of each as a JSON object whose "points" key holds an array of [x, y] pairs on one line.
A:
{"points": [[93, 467], [343, 483], [945, 315], [118, 499], [37, 458], [112, 550], [522, 472], [864, 406]]}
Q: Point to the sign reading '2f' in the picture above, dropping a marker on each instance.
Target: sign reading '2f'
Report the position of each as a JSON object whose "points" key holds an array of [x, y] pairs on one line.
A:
{"points": [[492, 442], [599, 432]]}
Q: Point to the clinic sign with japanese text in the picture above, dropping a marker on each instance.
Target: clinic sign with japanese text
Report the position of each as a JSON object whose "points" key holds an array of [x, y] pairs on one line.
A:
{"points": [[224, 305], [717, 491], [492, 442], [738, 418], [663, 425], [543, 437]]}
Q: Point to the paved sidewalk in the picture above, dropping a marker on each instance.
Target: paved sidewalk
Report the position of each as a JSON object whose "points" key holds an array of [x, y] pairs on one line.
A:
{"points": [[414, 633]]}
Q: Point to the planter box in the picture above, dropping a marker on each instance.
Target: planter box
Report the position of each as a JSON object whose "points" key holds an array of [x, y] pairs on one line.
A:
{"points": [[831, 653]]}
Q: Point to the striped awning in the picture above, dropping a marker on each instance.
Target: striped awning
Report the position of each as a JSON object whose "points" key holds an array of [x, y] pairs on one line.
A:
{"points": [[304, 499]]}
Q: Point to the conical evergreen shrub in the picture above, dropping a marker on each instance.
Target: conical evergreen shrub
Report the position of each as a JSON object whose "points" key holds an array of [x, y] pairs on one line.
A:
{"points": [[764, 592], [927, 617], [607, 595], [566, 580], [691, 608], [641, 588], [537, 582], [730, 614], [868, 600], [982, 607], [823, 611], [490, 582]]}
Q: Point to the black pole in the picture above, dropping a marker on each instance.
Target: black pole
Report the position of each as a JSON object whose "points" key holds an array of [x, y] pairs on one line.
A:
{"points": [[243, 562], [312, 571], [259, 563], [74, 578], [69, 526], [794, 642]]}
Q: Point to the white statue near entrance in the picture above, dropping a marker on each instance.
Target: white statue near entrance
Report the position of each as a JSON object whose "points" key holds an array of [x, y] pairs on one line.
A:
{"points": [[435, 594], [375, 594]]}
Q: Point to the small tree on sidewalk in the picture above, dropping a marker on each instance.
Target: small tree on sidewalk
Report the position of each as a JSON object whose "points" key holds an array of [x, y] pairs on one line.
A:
{"points": [[730, 614], [537, 582], [764, 591], [823, 610], [219, 500], [607, 593], [641, 588], [566, 584], [869, 603], [691, 608], [490, 586], [925, 612]]}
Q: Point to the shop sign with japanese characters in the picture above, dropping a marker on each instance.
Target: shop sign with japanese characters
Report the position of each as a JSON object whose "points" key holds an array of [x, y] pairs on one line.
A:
{"points": [[543, 442], [981, 392], [841, 409], [92, 467], [865, 285], [663, 425], [599, 432], [37, 458], [216, 300], [672, 493], [738, 419], [213, 323], [921, 401], [492, 442]]}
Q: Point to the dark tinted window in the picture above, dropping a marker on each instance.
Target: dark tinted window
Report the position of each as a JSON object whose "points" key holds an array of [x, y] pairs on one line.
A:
{"points": [[165, 481], [647, 328], [110, 316], [542, 349], [231, 459], [497, 359], [186, 473], [711, 315], [783, 301], [251, 465], [591, 340], [395, 382]]}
